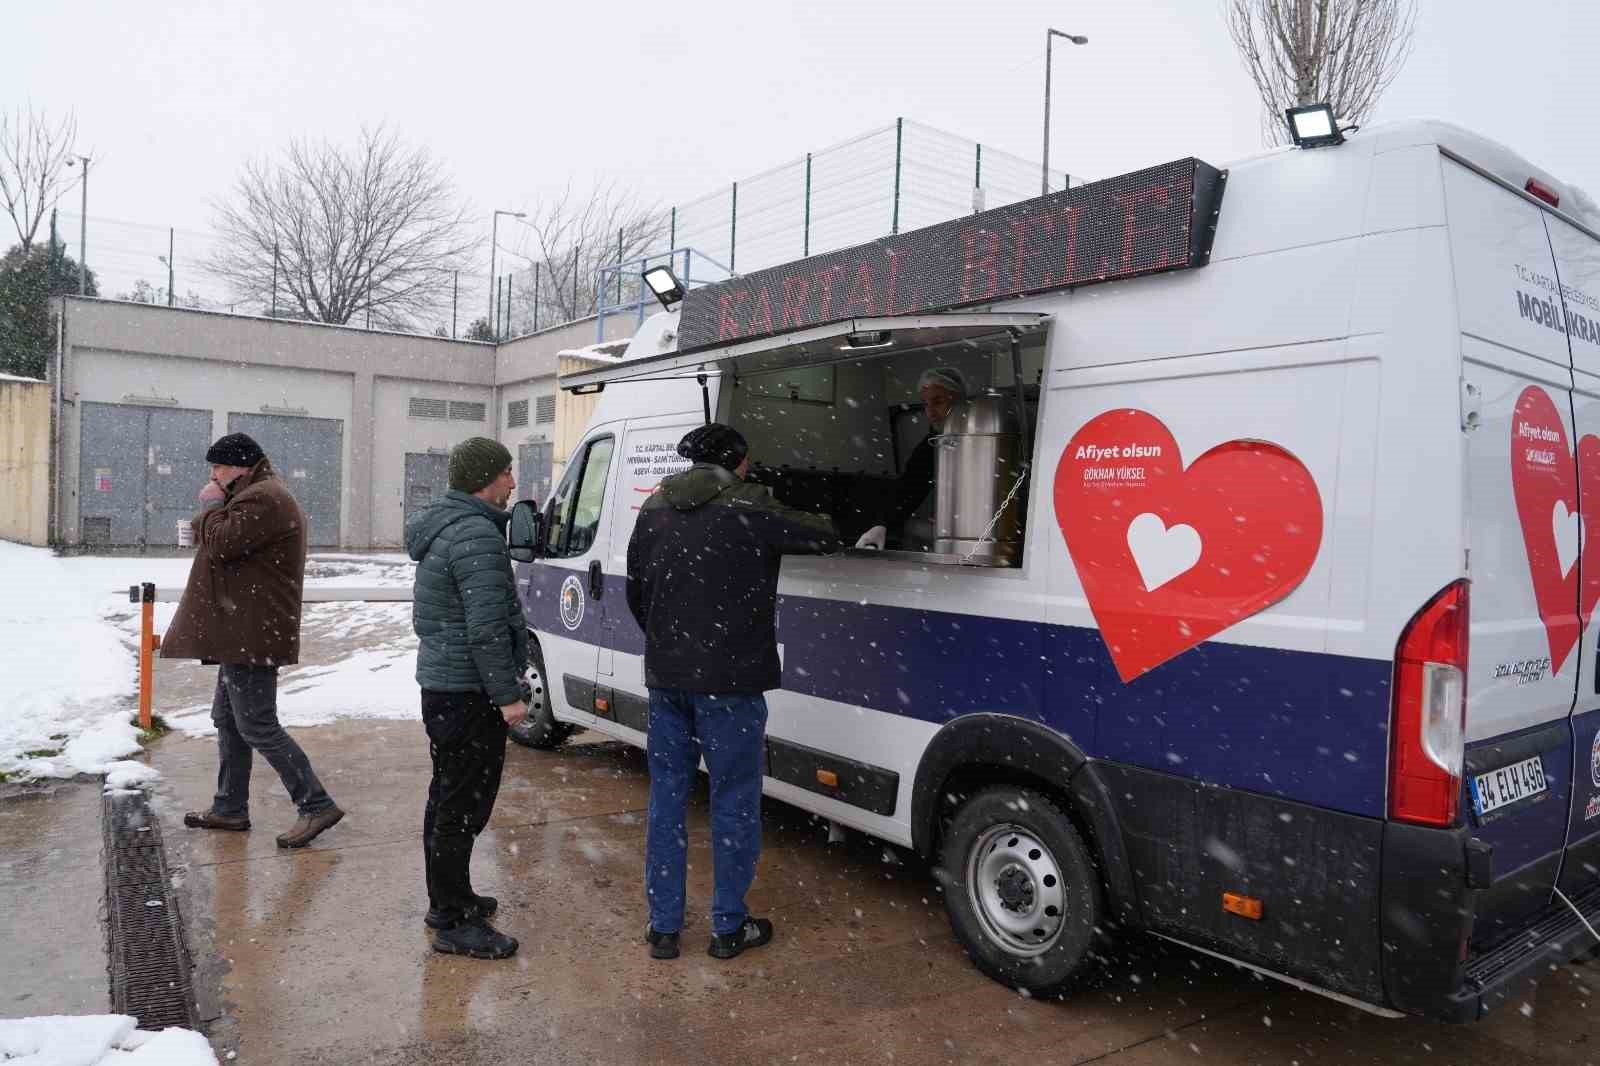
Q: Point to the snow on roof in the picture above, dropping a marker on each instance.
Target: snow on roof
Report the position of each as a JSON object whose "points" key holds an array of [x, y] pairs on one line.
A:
{"points": [[14, 377], [603, 352]]}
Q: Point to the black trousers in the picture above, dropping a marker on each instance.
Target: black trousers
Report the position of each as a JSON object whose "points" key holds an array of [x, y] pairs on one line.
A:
{"points": [[467, 739]]}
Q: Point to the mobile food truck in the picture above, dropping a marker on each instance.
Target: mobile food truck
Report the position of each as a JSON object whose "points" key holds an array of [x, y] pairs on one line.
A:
{"points": [[1252, 458]]}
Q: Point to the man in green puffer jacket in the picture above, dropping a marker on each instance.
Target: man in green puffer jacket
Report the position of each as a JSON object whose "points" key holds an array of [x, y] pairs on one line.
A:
{"points": [[470, 662]]}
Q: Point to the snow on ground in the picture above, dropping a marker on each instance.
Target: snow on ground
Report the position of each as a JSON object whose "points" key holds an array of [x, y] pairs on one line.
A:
{"points": [[69, 666], [378, 679], [98, 1040]]}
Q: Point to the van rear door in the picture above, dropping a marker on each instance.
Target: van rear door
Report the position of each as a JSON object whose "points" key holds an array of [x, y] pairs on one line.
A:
{"points": [[1524, 540], [1576, 293]]}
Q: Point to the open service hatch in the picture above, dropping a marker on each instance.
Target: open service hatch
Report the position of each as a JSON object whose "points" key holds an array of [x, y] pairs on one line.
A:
{"points": [[839, 423]]}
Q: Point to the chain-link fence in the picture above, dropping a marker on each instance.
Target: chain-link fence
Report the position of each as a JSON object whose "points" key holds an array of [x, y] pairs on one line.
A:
{"points": [[897, 177]]}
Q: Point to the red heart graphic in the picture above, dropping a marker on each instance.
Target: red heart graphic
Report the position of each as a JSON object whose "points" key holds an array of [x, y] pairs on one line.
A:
{"points": [[1542, 476], [1170, 557]]}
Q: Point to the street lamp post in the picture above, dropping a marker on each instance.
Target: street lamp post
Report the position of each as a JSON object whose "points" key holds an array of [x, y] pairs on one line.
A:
{"points": [[494, 240], [83, 228], [1044, 168]]}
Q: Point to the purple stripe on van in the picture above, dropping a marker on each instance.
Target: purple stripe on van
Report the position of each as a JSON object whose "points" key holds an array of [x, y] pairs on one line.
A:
{"points": [[1304, 726]]}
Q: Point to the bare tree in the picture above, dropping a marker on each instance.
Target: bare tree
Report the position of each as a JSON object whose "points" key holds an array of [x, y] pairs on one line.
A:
{"points": [[571, 238], [33, 167], [1340, 52], [328, 234]]}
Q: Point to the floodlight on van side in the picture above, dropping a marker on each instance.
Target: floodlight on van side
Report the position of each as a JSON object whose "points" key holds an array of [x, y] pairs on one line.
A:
{"points": [[665, 284], [1314, 126]]}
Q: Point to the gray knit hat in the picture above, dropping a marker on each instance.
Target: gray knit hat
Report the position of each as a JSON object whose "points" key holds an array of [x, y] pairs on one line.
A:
{"points": [[477, 461]]}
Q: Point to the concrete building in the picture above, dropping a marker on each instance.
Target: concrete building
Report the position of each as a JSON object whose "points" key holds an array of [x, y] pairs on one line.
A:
{"points": [[359, 422]]}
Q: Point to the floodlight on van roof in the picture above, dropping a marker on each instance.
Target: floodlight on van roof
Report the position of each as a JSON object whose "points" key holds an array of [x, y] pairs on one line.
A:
{"points": [[665, 284], [1314, 126]]}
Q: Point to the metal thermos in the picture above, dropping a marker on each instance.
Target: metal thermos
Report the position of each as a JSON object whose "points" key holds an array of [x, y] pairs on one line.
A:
{"points": [[979, 458]]}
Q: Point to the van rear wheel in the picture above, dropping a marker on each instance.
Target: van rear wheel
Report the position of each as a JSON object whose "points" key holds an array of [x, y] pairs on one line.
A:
{"points": [[540, 729], [1021, 890]]}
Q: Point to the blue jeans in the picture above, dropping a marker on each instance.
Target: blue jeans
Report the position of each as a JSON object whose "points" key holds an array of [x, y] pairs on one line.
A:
{"points": [[730, 732]]}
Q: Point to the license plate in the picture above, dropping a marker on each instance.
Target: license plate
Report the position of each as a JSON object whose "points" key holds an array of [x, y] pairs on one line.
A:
{"points": [[1501, 788]]}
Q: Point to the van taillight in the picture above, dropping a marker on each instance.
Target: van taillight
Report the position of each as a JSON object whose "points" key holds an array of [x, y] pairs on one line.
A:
{"points": [[1428, 740], [1535, 187]]}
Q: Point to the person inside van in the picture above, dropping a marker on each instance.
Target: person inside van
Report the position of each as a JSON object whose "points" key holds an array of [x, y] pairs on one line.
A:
{"points": [[941, 389]]}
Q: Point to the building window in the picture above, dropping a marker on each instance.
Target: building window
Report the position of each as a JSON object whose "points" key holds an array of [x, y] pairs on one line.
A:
{"points": [[516, 413], [421, 407], [545, 412], [468, 411]]}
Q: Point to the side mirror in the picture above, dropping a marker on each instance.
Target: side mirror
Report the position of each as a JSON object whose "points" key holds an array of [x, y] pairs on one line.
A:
{"points": [[526, 538]]}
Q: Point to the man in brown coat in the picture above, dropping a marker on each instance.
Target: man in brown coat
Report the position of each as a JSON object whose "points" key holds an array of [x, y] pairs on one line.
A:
{"points": [[241, 610]]}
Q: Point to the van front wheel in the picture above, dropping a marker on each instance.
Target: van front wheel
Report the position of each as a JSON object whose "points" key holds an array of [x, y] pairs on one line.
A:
{"points": [[1022, 890], [540, 728]]}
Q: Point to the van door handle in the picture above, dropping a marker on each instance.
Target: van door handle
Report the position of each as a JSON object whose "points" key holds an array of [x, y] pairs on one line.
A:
{"points": [[597, 580]]}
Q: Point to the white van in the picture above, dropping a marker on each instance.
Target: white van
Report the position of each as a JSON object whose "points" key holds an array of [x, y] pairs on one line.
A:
{"points": [[1290, 451]]}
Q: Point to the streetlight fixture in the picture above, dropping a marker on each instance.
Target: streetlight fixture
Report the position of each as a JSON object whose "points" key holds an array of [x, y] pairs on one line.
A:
{"points": [[83, 227], [494, 240], [1049, 39]]}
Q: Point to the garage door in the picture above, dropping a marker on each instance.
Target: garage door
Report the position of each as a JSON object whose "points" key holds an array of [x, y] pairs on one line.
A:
{"points": [[427, 480], [139, 472], [308, 454]]}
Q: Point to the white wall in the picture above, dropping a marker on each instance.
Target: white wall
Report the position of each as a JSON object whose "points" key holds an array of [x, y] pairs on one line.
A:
{"points": [[396, 433]]}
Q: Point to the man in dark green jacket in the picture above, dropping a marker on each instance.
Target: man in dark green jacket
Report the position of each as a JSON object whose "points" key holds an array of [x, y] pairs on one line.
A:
{"points": [[470, 663]]}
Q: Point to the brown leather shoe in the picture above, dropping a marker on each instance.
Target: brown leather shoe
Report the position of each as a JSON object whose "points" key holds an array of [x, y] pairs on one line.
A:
{"points": [[309, 827], [209, 819]]}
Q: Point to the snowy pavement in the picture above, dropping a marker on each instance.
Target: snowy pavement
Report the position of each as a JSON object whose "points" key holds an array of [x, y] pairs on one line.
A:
{"points": [[69, 665], [99, 1040]]}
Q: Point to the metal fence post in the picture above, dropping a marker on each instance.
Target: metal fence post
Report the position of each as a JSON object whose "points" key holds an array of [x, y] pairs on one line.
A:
{"points": [[672, 230], [806, 240], [899, 138], [733, 230], [977, 176]]}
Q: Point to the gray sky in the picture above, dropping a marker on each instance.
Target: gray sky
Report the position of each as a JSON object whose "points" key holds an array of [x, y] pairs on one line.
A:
{"points": [[675, 100]]}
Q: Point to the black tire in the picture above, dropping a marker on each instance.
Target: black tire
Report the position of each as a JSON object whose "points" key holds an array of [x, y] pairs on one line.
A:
{"points": [[1022, 891], [540, 729]]}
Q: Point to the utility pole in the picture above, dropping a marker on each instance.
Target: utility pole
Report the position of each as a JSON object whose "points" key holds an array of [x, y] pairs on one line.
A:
{"points": [[83, 228], [455, 303], [274, 279], [171, 246], [1044, 167]]}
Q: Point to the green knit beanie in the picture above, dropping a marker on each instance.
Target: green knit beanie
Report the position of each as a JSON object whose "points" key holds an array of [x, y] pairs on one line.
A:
{"points": [[477, 461]]}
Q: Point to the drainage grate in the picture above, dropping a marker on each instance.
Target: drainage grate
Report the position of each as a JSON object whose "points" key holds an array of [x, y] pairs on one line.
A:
{"points": [[150, 967]]}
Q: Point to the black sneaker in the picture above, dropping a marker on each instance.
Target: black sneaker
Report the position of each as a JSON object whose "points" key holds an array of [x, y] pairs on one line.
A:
{"points": [[483, 908], [662, 945], [475, 939], [752, 934]]}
